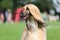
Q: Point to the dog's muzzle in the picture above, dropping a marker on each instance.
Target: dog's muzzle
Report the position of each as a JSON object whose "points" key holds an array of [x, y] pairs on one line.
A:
{"points": [[25, 16]]}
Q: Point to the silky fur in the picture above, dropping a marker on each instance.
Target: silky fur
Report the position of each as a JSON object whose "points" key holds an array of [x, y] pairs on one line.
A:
{"points": [[35, 29]]}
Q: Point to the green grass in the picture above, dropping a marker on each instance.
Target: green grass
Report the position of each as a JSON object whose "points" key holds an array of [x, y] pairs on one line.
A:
{"points": [[14, 31], [53, 31], [11, 31]]}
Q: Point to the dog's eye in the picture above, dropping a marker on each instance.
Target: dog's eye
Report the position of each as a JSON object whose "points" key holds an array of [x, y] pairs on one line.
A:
{"points": [[27, 12]]}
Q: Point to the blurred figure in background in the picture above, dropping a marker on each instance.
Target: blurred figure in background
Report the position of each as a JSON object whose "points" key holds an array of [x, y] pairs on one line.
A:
{"points": [[45, 15], [1, 17], [56, 5], [8, 15], [16, 14]]}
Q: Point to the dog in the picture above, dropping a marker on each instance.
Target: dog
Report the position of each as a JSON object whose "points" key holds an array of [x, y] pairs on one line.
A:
{"points": [[35, 29]]}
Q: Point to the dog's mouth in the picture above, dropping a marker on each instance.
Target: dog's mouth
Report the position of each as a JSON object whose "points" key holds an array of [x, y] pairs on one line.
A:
{"points": [[25, 16]]}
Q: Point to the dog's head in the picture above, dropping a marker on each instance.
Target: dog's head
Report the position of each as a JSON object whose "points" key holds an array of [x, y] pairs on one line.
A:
{"points": [[25, 14], [32, 10]]}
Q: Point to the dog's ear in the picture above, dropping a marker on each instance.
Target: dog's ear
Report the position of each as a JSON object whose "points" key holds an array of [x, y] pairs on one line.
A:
{"points": [[36, 13]]}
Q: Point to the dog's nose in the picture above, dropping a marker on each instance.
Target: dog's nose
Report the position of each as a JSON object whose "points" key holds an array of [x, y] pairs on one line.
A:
{"points": [[21, 15]]}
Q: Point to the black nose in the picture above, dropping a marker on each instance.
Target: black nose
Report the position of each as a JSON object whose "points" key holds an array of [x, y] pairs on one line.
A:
{"points": [[21, 15]]}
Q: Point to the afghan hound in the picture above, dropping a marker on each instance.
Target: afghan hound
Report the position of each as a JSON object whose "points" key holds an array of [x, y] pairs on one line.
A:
{"points": [[35, 25]]}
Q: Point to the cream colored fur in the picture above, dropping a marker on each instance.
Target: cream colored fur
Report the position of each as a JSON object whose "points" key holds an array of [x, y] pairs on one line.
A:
{"points": [[33, 31]]}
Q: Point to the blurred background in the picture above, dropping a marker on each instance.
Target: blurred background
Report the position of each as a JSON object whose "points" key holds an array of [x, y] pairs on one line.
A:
{"points": [[12, 26]]}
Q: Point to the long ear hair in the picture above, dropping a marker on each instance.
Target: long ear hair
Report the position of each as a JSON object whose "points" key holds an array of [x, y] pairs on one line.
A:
{"points": [[35, 12]]}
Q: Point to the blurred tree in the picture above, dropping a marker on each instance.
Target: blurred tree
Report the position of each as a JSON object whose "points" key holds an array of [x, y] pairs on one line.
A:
{"points": [[14, 4], [0, 3], [42, 4], [1, 0], [7, 4]]}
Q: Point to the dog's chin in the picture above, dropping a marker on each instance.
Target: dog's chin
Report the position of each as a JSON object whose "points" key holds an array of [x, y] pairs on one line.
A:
{"points": [[26, 17]]}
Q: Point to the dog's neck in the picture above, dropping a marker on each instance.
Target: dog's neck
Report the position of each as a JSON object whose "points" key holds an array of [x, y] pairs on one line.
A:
{"points": [[31, 24]]}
